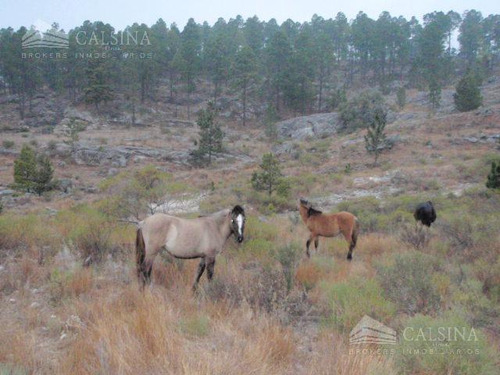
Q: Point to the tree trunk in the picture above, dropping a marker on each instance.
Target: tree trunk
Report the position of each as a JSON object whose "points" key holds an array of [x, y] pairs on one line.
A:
{"points": [[320, 99], [244, 104]]}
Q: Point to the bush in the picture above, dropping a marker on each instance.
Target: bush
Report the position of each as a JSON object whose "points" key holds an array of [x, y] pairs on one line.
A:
{"points": [[337, 98], [288, 256], [89, 231], [401, 97], [435, 346], [8, 143], [468, 299], [493, 181], [359, 111], [33, 172], [415, 235], [132, 194], [29, 231], [270, 178], [350, 300], [468, 95], [407, 280]]}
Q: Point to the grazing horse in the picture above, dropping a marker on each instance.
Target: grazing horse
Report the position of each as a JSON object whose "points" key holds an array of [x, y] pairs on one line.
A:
{"points": [[203, 237], [329, 225], [425, 213]]}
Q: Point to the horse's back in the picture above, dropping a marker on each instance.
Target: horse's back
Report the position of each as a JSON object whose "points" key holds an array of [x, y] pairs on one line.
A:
{"points": [[182, 238]]}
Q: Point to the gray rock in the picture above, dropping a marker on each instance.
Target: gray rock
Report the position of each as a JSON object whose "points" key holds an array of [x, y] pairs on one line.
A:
{"points": [[73, 113], [471, 139], [6, 192], [65, 185], [317, 126], [112, 172]]}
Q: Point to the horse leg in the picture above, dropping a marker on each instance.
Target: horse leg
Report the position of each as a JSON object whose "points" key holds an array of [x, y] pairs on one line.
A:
{"points": [[352, 243], [311, 237], [145, 270], [210, 268], [201, 269], [316, 243]]}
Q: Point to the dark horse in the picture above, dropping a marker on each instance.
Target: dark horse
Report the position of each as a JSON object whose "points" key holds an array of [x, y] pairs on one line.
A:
{"points": [[329, 225], [203, 237], [425, 213]]}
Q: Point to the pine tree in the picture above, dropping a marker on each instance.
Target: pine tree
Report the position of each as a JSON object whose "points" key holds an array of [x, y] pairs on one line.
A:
{"points": [[434, 94], [44, 175], [25, 168], [211, 135], [33, 172], [468, 95], [375, 139], [245, 74], [493, 181], [97, 89], [270, 178], [401, 97]]}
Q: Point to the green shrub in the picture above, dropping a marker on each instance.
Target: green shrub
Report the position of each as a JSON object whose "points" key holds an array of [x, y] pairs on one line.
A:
{"points": [[89, 231], [468, 298], [270, 177], [468, 94], [401, 97], [446, 345], [350, 300], [360, 110], [133, 194], [33, 172], [289, 256], [7, 143], [493, 181], [27, 231], [407, 281]]}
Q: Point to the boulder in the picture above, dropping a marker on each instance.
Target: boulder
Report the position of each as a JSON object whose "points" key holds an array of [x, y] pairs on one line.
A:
{"points": [[317, 126]]}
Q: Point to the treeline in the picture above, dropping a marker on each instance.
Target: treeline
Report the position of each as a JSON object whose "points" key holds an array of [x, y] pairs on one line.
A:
{"points": [[292, 66]]}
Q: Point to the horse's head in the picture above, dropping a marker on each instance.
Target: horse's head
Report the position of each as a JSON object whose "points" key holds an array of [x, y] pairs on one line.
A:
{"points": [[238, 222]]}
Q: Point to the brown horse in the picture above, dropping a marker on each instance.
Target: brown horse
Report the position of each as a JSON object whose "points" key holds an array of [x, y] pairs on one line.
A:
{"points": [[203, 237], [329, 225]]}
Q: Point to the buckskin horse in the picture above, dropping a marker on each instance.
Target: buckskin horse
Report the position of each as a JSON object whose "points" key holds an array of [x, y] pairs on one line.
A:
{"points": [[328, 225], [203, 237]]}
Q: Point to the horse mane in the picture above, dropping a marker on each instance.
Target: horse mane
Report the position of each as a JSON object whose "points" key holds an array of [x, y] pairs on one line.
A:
{"points": [[220, 213], [312, 212]]}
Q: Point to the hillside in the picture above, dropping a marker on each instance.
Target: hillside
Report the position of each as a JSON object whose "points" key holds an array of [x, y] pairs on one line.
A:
{"points": [[270, 310]]}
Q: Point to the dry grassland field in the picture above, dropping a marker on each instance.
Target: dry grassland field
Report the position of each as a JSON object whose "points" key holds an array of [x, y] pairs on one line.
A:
{"points": [[70, 298]]}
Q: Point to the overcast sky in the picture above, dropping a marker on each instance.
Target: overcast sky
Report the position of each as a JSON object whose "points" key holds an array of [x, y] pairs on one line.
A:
{"points": [[71, 13]]}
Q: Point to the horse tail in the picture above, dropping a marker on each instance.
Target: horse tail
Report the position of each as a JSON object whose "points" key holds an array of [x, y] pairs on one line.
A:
{"points": [[355, 231], [140, 252]]}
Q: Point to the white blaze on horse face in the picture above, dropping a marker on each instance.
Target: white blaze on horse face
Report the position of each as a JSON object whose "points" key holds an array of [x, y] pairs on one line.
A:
{"points": [[239, 220]]}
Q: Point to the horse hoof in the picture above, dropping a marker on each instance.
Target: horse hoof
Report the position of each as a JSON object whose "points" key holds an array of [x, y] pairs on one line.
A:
{"points": [[349, 257]]}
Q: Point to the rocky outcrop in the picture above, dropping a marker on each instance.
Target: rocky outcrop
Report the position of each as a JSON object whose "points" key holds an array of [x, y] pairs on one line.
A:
{"points": [[317, 126], [45, 109]]}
